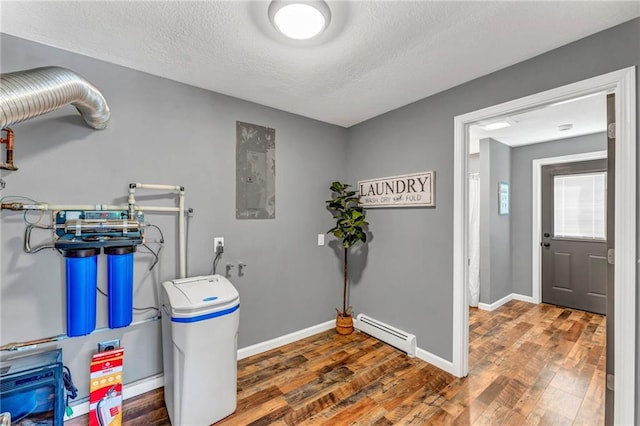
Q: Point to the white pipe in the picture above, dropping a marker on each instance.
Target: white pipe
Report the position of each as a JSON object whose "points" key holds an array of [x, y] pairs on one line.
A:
{"points": [[181, 235], [47, 207], [132, 198], [180, 210], [157, 186], [106, 207], [158, 209], [182, 247]]}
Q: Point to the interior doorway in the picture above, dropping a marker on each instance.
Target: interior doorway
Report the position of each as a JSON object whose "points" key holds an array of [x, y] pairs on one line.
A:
{"points": [[576, 273], [622, 84]]}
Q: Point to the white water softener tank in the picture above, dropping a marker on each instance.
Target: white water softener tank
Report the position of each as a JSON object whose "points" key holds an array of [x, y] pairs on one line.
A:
{"points": [[200, 349]]}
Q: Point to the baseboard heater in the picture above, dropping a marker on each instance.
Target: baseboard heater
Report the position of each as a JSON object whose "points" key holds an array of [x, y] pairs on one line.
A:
{"points": [[397, 338]]}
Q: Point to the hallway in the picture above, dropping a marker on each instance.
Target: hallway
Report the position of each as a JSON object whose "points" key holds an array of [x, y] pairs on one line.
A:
{"points": [[535, 364]]}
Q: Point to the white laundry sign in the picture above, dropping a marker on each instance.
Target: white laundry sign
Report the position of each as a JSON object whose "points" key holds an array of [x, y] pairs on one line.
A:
{"points": [[413, 190]]}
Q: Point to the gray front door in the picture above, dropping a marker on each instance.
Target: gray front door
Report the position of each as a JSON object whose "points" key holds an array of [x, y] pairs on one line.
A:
{"points": [[574, 245]]}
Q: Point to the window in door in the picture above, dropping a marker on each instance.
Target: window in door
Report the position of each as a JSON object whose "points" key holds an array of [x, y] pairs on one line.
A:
{"points": [[579, 206]]}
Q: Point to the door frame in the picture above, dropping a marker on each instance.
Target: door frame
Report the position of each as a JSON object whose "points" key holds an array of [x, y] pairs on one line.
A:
{"points": [[536, 224], [622, 83]]}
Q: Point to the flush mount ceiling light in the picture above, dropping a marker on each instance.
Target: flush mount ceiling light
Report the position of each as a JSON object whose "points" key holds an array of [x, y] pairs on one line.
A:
{"points": [[299, 20]]}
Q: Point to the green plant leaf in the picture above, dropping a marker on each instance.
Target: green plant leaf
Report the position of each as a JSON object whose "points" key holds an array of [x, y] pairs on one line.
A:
{"points": [[349, 215]]}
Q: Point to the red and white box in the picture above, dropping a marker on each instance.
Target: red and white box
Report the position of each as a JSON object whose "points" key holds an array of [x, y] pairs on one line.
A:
{"points": [[105, 398]]}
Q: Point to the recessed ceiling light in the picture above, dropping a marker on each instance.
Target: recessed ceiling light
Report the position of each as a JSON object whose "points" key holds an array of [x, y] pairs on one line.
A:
{"points": [[299, 20], [497, 125]]}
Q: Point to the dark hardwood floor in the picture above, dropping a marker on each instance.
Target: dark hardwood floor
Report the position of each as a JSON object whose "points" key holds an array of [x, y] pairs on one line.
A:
{"points": [[529, 365]]}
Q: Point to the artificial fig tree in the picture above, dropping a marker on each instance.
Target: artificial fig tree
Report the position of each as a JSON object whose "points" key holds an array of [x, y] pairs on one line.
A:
{"points": [[350, 228]]}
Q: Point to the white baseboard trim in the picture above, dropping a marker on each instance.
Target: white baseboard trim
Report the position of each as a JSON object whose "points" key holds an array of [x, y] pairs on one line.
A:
{"points": [[142, 386], [508, 298], [284, 340], [128, 391], [447, 366], [432, 359], [522, 298]]}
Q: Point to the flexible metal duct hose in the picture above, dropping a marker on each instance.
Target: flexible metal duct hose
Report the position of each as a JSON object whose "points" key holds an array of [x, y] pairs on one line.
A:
{"points": [[30, 93]]}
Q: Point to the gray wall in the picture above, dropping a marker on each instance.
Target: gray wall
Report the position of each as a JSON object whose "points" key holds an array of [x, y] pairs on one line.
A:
{"points": [[521, 198], [165, 132], [407, 280], [408, 276], [495, 230]]}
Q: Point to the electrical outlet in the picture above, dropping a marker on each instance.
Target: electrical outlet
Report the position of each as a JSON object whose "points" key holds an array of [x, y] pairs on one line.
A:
{"points": [[108, 345], [218, 242], [320, 239]]}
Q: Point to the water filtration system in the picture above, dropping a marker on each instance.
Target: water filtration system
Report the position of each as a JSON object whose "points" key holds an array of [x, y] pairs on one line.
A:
{"points": [[78, 229], [81, 233]]}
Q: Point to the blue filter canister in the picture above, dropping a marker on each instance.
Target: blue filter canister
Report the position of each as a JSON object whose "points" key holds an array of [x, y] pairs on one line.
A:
{"points": [[82, 274], [120, 285]]}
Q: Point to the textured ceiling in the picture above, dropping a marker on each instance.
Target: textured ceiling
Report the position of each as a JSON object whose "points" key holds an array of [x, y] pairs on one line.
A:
{"points": [[375, 56]]}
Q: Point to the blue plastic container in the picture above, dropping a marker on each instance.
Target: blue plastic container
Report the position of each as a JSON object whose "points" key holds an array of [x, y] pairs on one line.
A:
{"points": [[32, 388], [82, 268], [120, 285]]}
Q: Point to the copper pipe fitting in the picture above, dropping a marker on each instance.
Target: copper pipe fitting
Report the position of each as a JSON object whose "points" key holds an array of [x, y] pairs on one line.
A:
{"points": [[9, 142]]}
